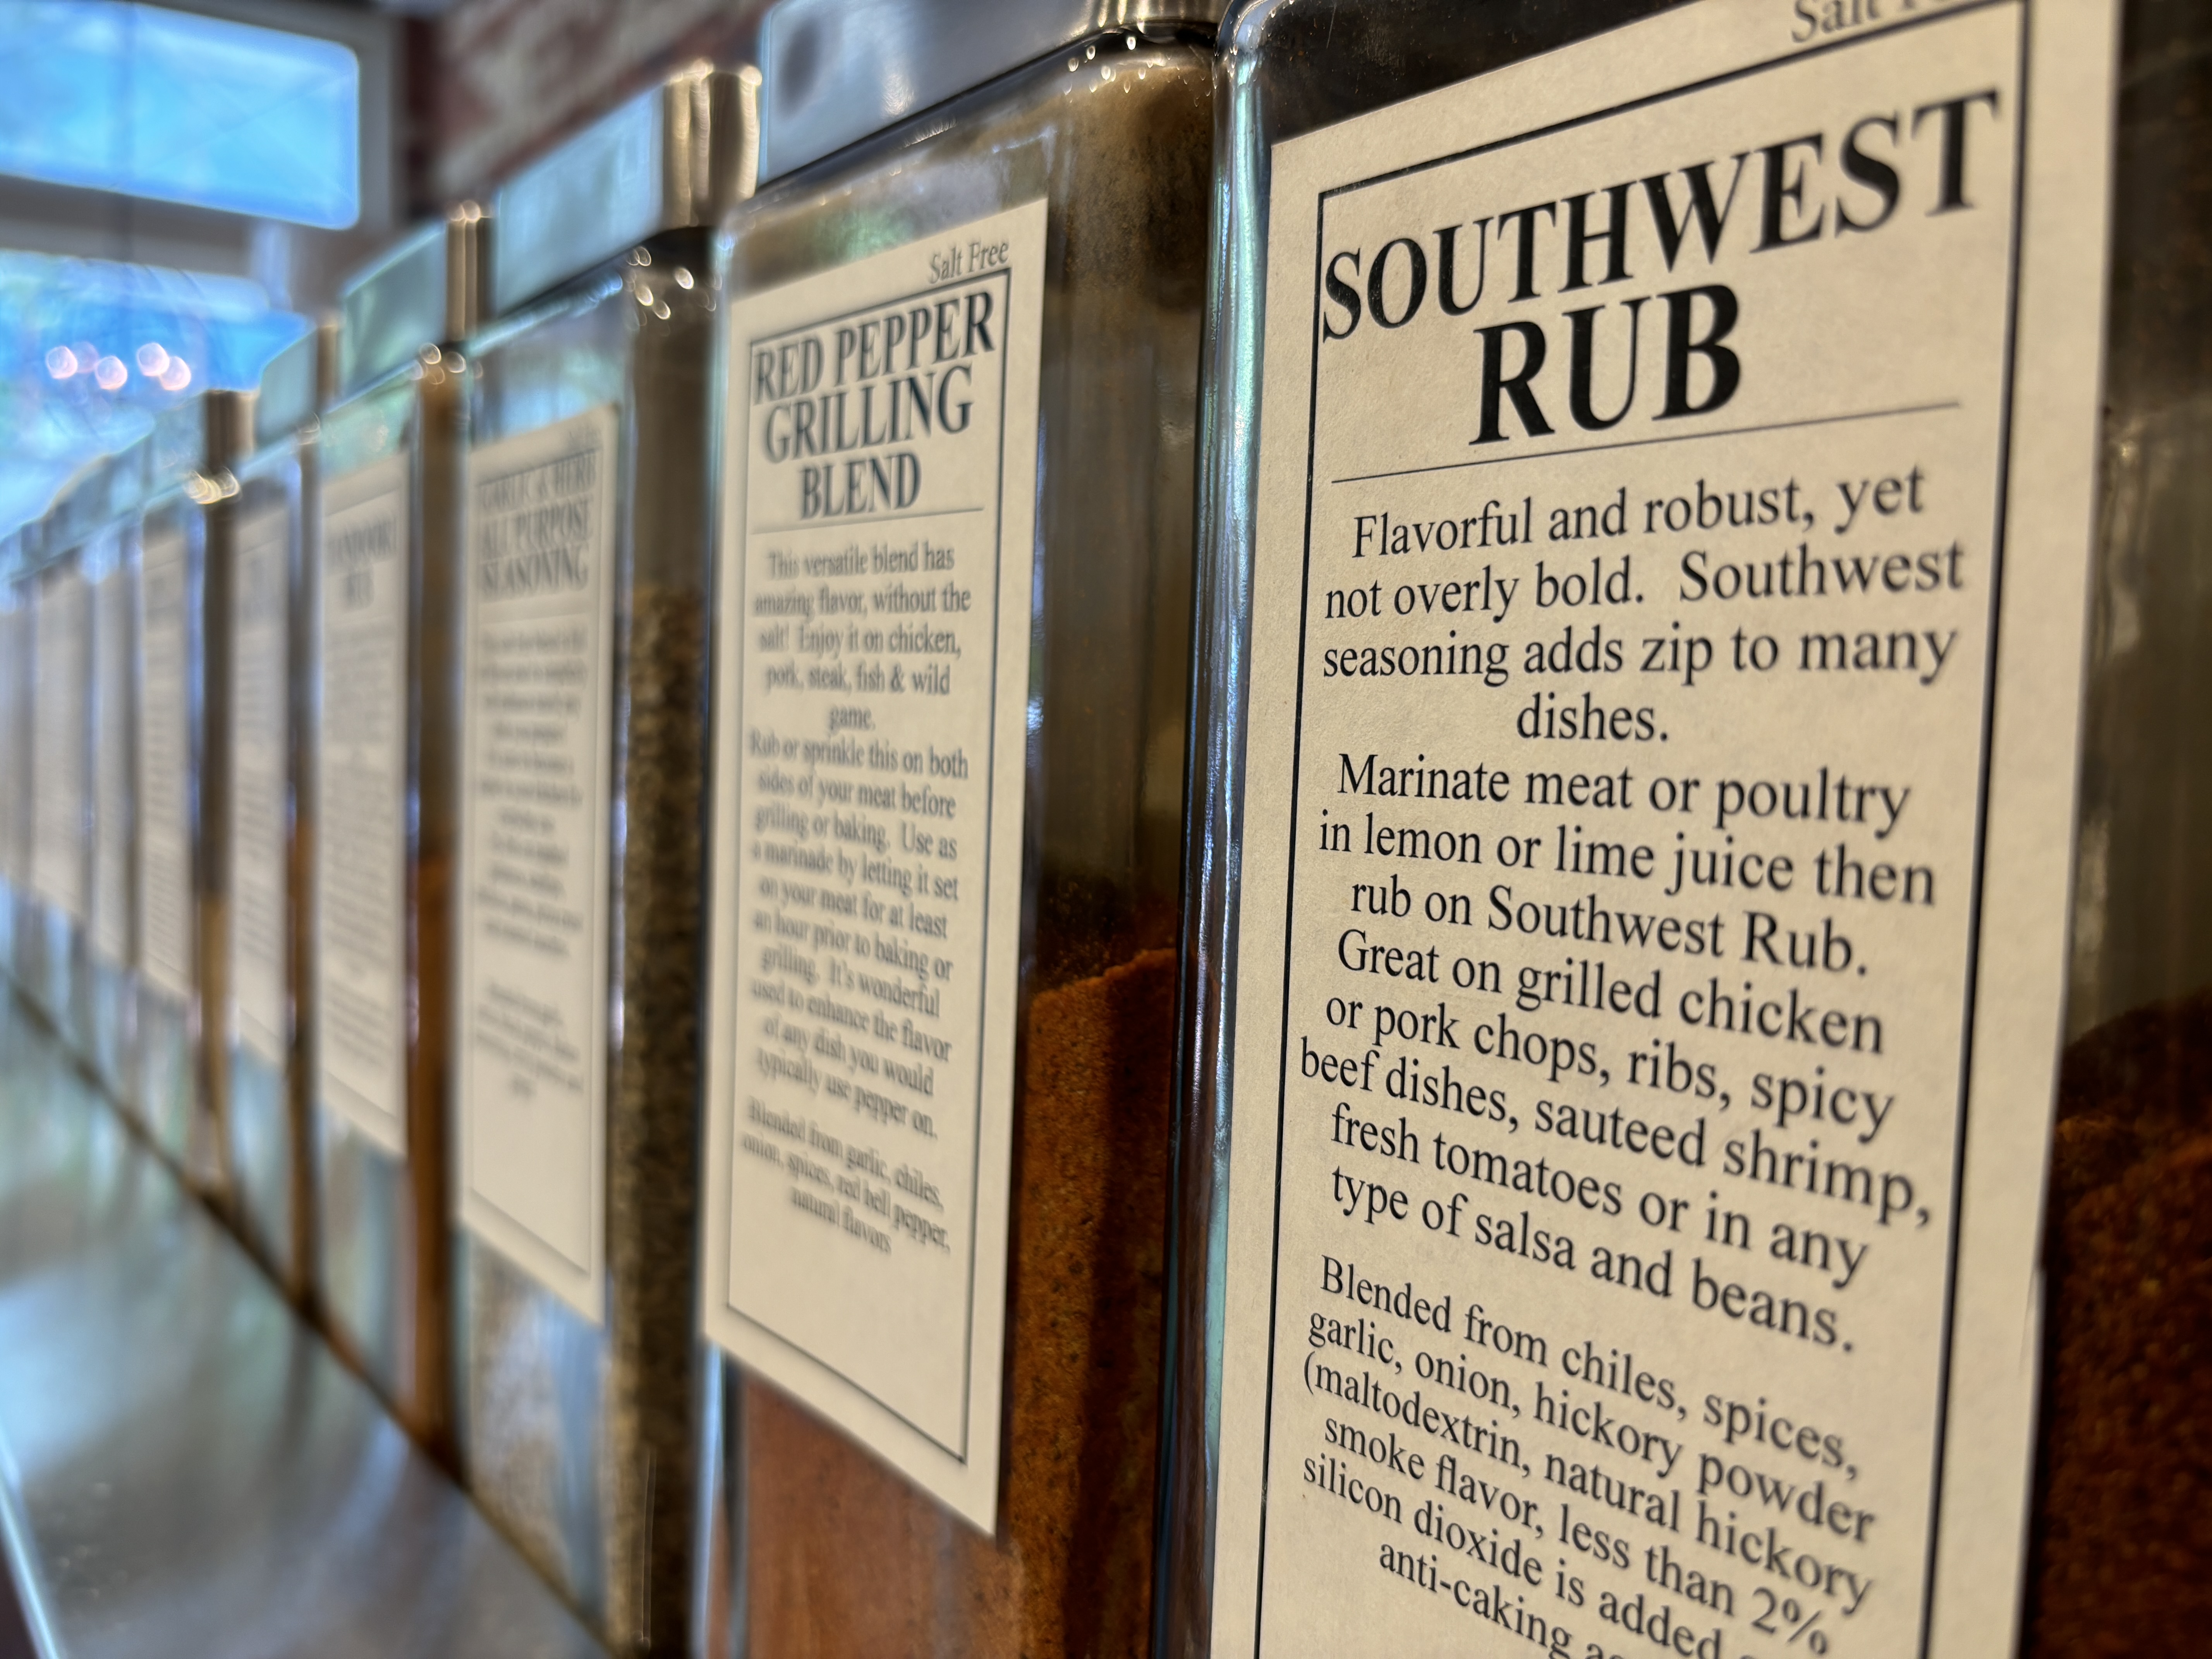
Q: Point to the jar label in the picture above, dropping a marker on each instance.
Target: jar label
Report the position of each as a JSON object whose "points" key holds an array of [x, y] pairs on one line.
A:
{"points": [[113, 603], [165, 823], [531, 890], [361, 802], [261, 803], [1673, 506], [873, 680], [60, 773]]}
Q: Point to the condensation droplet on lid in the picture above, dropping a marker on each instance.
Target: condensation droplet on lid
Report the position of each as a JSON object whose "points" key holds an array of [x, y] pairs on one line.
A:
{"points": [[683, 277]]}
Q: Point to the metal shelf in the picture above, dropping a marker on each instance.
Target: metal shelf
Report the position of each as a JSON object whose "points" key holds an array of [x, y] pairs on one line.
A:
{"points": [[185, 1468]]}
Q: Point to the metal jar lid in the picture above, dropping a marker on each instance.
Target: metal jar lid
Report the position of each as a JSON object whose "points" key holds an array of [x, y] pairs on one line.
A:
{"points": [[297, 385], [425, 290], [837, 70], [675, 154]]}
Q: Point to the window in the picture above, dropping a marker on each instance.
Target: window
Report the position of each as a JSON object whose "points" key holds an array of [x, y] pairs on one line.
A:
{"points": [[180, 107]]}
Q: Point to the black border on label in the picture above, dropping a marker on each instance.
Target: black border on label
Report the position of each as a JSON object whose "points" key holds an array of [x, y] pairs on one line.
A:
{"points": [[2003, 455], [740, 567]]}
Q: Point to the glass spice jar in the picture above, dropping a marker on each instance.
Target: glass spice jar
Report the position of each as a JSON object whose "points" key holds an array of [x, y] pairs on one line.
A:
{"points": [[182, 628], [581, 757], [110, 567], [263, 1023], [1626, 920], [376, 812], [52, 961], [950, 696], [2118, 1547]]}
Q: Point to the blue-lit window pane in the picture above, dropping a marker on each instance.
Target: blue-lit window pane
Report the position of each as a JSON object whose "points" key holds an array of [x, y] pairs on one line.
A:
{"points": [[90, 352], [183, 108]]}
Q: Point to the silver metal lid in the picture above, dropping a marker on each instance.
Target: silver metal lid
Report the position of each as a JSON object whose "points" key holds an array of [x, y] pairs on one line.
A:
{"points": [[837, 70], [676, 155], [297, 384], [199, 437], [426, 291]]}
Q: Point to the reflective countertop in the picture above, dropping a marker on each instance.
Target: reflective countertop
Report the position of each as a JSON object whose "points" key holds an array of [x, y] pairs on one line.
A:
{"points": [[185, 1469]]}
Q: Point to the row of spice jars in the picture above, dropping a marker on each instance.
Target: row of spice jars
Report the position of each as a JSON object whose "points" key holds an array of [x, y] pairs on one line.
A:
{"points": [[677, 867]]}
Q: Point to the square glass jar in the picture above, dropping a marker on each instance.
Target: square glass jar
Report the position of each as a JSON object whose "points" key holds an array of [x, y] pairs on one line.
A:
{"points": [[182, 629], [952, 688], [110, 567], [17, 678], [376, 812], [1416, 453], [580, 756]]}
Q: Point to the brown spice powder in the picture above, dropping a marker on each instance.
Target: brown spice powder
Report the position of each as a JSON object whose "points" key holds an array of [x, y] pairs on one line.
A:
{"points": [[2123, 1532], [846, 1558]]}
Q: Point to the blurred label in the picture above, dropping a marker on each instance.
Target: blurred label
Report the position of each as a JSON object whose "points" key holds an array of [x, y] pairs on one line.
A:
{"points": [[113, 625], [261, 800], [361, 802], [533, 885], [165, 759], [61, 740]]}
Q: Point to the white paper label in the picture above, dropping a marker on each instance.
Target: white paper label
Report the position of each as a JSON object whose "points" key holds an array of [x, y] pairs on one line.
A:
{"points": [[164, 825], [114, 629], [1655, 867], [873, 682], [16, 673], [533, 876], [60, 752], [259, 772], [361, 802]]}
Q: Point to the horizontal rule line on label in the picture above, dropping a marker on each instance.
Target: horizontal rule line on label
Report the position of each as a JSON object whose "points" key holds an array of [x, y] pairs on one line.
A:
{"points": [[1671, 438], [875, 517]]}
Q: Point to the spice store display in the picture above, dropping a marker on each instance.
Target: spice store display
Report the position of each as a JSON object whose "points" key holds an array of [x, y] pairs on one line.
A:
{"points": [[949, 710], [268, 1115], [377, 813], [583, 1429], [1627, 924], [181, 789]]}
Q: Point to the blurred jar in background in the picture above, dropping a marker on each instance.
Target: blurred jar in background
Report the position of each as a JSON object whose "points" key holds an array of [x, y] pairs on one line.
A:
{"points": [[110, 567], [53, 962], [278, 510], [182, 794], [377, 812], [18, 642]]}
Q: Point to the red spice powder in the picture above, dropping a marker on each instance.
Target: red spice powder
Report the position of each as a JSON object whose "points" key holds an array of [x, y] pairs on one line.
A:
{"points": [[847, 1558], [2122, 1547]]}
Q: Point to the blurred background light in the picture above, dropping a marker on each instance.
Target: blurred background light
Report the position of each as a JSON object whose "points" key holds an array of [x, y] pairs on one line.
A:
{"points": [[148, 102], [90, 350]]}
